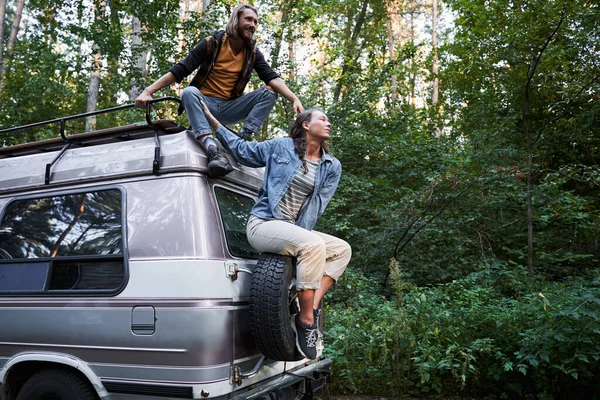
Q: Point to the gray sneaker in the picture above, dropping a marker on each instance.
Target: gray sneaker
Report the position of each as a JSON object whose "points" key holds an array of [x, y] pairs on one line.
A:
{"points": [[306, 337]]}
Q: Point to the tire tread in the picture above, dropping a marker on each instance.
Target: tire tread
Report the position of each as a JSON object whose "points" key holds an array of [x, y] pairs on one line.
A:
{"points": [[269, 311]]}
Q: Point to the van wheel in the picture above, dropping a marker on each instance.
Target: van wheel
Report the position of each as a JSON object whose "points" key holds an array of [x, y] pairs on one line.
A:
{"points": [[273, 300], [56, 384]]}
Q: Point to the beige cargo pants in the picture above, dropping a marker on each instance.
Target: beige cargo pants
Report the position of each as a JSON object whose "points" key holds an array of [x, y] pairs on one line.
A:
{"points": [[317, 253]]}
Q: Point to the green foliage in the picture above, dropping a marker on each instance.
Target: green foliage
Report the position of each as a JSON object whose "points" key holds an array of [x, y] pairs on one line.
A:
{"points": [[446, 206], [492, 333]]}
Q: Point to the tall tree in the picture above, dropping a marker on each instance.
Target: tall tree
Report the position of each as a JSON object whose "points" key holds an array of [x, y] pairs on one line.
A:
{"points": [[139, 55], [531, 136], [206, 9], [12, 39], [113, 47], [94, 83], [391, 47], [2, 16], [434, 49], [183, 38], [284, 6], [292, 60], [350, 48]]}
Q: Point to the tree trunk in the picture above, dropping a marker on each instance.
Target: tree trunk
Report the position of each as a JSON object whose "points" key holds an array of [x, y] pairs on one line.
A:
{"points": [[183, 38], [93, 89], [322, 60], [186, 18], [530, 151], [435, 68], [12, 39], [113, 52], [531, 141], [2, 16], [285, 6], [205, 9], [80, 59], [279, 34], [292, 58], [391, 45], [434, 45], [49, 12], [94, 86], [140, 55], [349, 56], [413, 74]]}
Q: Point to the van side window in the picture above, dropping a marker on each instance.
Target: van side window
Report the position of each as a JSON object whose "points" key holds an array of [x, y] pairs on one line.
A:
{"points": [[235, 209], [70, 242]]}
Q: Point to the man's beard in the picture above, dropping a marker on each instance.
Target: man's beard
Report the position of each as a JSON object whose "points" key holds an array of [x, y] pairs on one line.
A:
{"points": [[241, 34]]}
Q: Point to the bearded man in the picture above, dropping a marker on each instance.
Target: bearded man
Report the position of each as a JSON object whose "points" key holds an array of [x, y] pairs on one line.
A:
{"points": [[225, 60]]}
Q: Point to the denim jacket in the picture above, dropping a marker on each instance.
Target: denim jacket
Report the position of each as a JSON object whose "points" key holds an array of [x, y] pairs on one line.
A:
{"points": [[281, 164]]}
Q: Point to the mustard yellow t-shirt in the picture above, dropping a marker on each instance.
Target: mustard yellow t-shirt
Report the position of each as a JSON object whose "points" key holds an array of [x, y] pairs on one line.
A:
{"points": [[225, 72]]}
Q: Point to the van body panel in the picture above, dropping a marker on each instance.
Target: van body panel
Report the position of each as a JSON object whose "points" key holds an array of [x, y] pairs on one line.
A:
{"points": [[99, 331], [178, 279], [172, 217]]}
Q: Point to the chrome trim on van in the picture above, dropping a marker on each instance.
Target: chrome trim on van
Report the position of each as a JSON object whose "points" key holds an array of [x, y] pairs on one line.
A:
{"points": [[74, 346], [181, 375]]}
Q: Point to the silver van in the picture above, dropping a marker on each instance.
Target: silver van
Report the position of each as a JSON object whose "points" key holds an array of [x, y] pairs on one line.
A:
{"points": [[125, 273]]}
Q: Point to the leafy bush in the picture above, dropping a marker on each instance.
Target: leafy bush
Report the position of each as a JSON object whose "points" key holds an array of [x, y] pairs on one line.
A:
{"points": [[494, 333]]}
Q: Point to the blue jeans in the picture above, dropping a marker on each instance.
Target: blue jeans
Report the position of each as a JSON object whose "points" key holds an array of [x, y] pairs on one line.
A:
{"points": [[254, 107]]}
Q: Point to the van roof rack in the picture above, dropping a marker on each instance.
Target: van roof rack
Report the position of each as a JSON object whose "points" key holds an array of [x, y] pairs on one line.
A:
{"points": [[127, 132]]}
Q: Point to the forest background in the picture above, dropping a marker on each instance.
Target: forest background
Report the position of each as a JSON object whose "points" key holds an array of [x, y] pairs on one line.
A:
{"points": [[469, 136]]}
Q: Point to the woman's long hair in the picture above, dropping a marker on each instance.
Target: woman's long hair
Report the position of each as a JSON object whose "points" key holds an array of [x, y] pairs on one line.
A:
{"points": [[298, 134], [234, 21]]}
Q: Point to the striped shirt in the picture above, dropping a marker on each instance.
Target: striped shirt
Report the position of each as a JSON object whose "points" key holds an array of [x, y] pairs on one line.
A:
{"points": [[301, 187]]}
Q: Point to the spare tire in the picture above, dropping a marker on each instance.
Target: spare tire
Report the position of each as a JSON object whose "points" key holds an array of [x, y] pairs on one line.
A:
{"points": [[273, 300]]}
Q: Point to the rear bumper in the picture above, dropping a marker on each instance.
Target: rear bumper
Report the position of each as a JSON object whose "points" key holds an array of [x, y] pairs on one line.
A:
{"points": [[306, 379]]}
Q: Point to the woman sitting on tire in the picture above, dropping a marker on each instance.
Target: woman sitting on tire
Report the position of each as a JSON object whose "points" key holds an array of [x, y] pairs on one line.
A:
{"points": [[300, 178]]}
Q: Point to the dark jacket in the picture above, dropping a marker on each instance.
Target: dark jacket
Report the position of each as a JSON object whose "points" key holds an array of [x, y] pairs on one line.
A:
{"points": [[205, 54]]}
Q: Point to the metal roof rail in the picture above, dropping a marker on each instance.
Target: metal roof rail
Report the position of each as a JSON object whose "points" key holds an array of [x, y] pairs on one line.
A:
{"points": [[68, 140]]}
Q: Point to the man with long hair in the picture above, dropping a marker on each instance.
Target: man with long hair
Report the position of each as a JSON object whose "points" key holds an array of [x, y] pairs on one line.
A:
{"points": [[225, 61]]}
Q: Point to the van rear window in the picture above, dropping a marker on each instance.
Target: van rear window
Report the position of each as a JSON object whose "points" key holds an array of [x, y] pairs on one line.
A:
{"points": [[69, 242], [235, 209]]}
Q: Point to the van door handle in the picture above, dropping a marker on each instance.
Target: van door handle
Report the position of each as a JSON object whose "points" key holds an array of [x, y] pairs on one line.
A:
{"points": [[143, 320]]}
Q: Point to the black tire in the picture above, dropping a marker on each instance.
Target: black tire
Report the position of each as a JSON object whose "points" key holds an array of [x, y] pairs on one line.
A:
{"points": [[273, 300], [56, 384]]}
